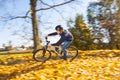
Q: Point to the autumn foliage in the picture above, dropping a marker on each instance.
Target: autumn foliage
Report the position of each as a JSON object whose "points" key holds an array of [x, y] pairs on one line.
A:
{"points": [[89, 65]]}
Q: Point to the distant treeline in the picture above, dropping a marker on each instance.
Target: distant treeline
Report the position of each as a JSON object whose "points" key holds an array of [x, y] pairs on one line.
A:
{"points": [[103, 28]]}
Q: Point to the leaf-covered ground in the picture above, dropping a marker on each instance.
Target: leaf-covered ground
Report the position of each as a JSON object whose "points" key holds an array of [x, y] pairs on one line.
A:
{"points": [[89, 65]]}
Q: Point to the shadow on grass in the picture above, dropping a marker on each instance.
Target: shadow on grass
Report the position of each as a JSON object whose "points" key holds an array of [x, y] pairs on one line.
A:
{"points": [[17, 73]]}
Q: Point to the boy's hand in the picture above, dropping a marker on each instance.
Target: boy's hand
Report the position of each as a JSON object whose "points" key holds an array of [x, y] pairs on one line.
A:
{"points": [[49, 44], [46, 36]]}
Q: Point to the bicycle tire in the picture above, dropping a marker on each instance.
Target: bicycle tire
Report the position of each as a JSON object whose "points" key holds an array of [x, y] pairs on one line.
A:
{"points": [[72, 52], [41, 55]]}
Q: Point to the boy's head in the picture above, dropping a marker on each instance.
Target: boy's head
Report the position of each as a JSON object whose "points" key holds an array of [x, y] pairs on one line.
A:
{"points": [[59, 29]]}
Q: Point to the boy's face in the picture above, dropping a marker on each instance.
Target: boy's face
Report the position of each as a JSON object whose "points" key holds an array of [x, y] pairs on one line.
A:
{"points": [[58, 31]]}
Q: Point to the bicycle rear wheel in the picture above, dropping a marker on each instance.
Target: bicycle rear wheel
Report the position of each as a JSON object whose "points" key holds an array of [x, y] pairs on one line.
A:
{"points": [[72, 52], [41, 55]]}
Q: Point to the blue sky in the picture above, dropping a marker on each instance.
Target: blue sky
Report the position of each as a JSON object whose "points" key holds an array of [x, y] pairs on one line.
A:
{"points": [[48, 19]]}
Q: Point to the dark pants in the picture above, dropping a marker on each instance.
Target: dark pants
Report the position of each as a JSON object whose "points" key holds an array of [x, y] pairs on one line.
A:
{"points": [[64, 46]]}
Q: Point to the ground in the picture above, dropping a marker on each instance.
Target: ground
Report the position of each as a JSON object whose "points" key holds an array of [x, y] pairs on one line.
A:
{"points": [[89, 65]]}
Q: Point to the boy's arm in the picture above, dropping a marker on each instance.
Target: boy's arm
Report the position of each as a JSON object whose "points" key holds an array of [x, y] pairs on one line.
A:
{"points": [[52, 34], [59, 42]]}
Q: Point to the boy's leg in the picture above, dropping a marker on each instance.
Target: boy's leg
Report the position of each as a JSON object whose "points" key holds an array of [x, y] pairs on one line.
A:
{"points": [[64, 46]]}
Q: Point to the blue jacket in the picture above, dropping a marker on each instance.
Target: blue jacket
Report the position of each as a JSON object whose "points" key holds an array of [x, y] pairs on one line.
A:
{"points": [[65, 36]]}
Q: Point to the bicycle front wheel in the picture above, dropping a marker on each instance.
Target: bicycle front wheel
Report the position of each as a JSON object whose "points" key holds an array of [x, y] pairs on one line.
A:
{"points": [[41, 55], [72, 52]]}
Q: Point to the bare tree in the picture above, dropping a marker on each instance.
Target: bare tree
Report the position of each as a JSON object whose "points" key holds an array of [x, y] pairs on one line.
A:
{"points": [[33, 10]]}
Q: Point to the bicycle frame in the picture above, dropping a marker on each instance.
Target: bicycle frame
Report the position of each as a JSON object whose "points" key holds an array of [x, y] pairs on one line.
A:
{"points": [[46, 47]]}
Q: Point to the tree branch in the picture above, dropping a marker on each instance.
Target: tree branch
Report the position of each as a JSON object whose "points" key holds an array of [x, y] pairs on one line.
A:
{"points": [[26, 16], [53, 6], [49, 7], [19, 17], [44, 3]]}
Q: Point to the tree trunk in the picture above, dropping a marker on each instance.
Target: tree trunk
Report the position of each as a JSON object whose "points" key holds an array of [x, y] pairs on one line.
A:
{"points": [[36, 38]]}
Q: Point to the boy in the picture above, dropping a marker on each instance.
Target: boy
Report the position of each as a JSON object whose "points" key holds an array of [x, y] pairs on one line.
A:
{"points": [[65, 40]]}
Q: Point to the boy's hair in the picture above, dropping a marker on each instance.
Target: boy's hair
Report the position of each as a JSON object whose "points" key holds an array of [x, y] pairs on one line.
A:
{"points": [[59, 28]]}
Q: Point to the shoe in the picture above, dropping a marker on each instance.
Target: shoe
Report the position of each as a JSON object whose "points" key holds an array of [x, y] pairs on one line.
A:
{"points": [[63, 58]]}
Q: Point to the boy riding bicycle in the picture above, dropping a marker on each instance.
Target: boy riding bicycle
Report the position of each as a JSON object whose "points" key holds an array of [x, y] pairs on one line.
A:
{"points": [[64, 41]]}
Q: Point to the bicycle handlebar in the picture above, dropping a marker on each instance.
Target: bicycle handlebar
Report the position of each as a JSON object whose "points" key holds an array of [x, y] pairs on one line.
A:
{"points": [[47, 40]]}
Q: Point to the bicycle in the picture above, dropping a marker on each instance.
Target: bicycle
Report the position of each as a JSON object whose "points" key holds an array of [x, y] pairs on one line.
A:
{"points": [[44, 54]]}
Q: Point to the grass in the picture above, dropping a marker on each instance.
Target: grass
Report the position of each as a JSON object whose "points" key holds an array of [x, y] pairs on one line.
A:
{"points": [[9, 55]]}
